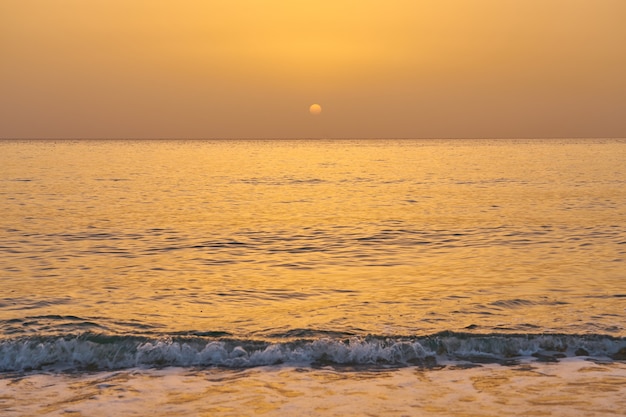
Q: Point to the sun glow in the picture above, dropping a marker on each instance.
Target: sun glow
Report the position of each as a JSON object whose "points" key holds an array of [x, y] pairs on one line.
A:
{"points": [[244, 68], [315, 109]]}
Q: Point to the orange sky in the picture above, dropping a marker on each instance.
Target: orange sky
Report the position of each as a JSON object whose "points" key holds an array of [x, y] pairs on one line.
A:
{"points": [[252, 68]]}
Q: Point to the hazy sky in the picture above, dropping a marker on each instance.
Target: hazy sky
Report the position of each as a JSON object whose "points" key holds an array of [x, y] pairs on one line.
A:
{"points": [[252, 68]]}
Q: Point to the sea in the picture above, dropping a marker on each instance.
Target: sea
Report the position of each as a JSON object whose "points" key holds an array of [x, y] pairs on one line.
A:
{"points": [[313, 277]]}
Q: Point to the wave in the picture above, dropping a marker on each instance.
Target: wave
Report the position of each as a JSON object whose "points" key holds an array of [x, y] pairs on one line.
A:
{"points": [[93, 352]]}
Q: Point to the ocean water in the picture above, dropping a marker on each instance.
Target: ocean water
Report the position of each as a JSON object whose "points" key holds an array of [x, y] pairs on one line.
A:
{"points": [[313, 277]]}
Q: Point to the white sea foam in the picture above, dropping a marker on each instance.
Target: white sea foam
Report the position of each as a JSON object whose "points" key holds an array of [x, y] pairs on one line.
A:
{"points": [[93, 352]]}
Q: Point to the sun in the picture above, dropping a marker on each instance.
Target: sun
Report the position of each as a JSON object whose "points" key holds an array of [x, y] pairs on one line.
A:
{"points": [[315, 109]]}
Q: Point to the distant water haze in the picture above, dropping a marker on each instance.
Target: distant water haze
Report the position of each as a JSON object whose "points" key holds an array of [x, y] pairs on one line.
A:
{"points": [[245, 68]]}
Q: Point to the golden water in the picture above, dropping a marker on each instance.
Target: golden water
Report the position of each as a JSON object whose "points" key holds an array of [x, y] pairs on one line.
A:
{"points": [[169, 246], [259, 237]]}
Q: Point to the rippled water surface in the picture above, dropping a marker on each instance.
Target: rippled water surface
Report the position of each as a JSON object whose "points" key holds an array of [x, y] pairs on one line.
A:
{"points": [[267, 237], [116, 254]]}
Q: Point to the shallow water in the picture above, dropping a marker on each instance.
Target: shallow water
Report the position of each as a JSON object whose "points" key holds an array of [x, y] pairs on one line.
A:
{"points": [[571, 388], [131, 256]]}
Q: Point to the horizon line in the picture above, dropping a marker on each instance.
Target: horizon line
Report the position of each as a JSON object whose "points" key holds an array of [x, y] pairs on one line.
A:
{"points": [[321, 138]]}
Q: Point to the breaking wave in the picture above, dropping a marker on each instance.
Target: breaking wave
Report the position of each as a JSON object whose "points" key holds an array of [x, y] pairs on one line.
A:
{"points": [[92, 352]]}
